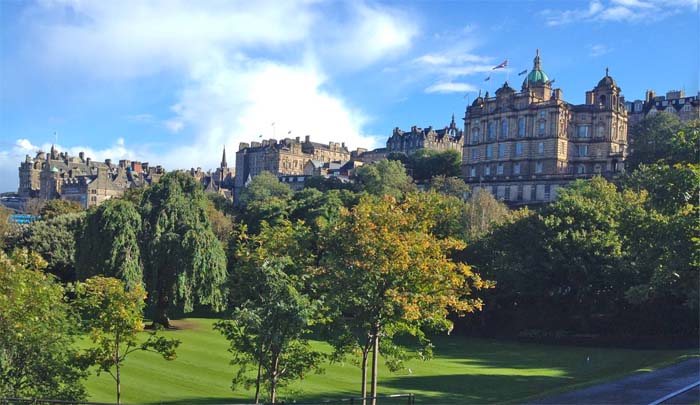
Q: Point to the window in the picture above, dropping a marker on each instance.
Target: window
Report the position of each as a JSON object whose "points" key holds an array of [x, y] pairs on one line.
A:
{"points": [[600, 131], [582, 117], [476, 123], [487, 170], [520, 193], [475, 154], [516, 168], [581, 169], [489, 151], [475, 135], [538, 167], [547, 191], [540, 148], [472, 171], [504, 129], [499, 168], [492, 131], [521, 127], [584, 131], [519, 149], [501, 150], [542, 114], [541, 127], [582, 150]]}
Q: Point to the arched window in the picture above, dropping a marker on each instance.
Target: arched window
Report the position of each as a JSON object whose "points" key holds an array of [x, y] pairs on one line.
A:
{"points": [[504, 128], [492, 131]]}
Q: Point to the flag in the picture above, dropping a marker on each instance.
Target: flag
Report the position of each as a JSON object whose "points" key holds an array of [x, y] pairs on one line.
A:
{"points": [[502, 65], [487, 78], [552, 81], [289, 132], [522, 73], [273, 124]]}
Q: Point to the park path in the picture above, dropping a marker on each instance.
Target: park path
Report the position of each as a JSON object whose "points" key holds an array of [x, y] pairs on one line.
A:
{"points": [[640, 388]]}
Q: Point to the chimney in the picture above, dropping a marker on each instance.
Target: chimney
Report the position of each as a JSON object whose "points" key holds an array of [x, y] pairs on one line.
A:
{"points": [[81, 155], [590, 98], [108, 162], [307, 138]]}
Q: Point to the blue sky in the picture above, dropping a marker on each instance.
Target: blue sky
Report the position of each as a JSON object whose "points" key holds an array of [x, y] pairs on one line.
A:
{"points": [[171, 81]]}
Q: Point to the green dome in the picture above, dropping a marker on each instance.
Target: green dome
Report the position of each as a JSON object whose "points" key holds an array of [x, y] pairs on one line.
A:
{"points": [[537, 76], [54, 169]]}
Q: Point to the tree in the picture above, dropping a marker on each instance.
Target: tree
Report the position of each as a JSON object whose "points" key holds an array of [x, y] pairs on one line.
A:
{"points": [[272, 313], [221, 222], [651, 140], [389, 274], [108, 243], [453, 186], [38, 357], [184, 262], [54, 208], [386, 177], [427, 163], [6, 226], [54, 240], [113, 317], [264, 199], [484, 212]]}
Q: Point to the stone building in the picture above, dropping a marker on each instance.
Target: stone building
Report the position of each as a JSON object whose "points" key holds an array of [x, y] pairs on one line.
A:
{"points": [[675, 102], [448, 138], [522, 146], [286, 157], [221, 181], [80, 179]]}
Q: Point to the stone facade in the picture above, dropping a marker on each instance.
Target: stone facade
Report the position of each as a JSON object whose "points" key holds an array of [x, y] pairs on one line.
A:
{"points": [[675, 102], [221, 181], [286, 157], [80, 179], [448, 138], [522, 146]]}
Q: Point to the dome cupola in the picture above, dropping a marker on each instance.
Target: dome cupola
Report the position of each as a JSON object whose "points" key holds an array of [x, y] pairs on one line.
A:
{"points": [[536, 76]]}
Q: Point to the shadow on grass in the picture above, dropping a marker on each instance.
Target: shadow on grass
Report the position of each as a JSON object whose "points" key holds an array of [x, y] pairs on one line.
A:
{"points": [[470, 388]]}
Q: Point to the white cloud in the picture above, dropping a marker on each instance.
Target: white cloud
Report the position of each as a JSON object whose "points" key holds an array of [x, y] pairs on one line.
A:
{"points": [[450, 87], [596, 50], [620, 11], [241, 65]]}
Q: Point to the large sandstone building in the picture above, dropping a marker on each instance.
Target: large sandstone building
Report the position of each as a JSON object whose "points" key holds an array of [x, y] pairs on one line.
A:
{"points": [[77, 178], [522, 146], [287, 157], [448, 138]]}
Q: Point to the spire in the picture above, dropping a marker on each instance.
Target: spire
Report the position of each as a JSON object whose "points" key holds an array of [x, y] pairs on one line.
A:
{"points": [[607, 72], [223, 158], [537, 63], [452, 123]]}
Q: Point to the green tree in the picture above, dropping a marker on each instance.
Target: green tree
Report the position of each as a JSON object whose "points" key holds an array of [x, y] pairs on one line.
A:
{"points": [[108, 243], [113, 317], [54, 240], [427, 163], [221, 222], [264, 199], [6, 226], [386, 177], [184, 262], [651, 140], [483, 212], [389, 274], [453, 186], [272, 313], [38, 357], [54, 208]]}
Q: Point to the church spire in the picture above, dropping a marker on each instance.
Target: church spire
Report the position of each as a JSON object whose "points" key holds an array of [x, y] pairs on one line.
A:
{"points": [[223, 158], [537, 65]]}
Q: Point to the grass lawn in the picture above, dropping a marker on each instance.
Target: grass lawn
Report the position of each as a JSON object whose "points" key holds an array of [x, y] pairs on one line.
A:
{"points": [[464, 370]]}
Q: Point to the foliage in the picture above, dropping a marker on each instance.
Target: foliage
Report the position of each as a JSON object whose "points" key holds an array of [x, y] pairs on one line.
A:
{"points": [[670, 187], [386, 177], [113, 317], [54, 240], [662, 138], [53, 208], [107, 243], [390, 275], [220, 217], [184, 262], [483, 213], [453, 186], [7, 228], [427, 163], [324, 184], [264, 199], [38, 358], [272, 315]]}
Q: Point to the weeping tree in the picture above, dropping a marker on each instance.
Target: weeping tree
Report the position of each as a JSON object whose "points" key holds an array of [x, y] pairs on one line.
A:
{"points": [[108, 243], [184, 262]]}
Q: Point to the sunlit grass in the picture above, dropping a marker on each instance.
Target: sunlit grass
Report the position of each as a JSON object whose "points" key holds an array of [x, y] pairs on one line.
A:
{"points": [[464, 370]]}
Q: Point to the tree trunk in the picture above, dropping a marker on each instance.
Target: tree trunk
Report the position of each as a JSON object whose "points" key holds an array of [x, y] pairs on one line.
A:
{"points": [[273, 377], [257, 380], [375, 359], [119, 378], [161, 315], [365, 355]]}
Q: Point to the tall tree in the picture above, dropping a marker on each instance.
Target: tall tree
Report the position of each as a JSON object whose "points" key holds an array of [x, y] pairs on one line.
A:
{"points": [[108, 243], [54, 240], [113, 317], [184, 262], [264, 199], [272, 314], [651, 140], [389, 274], [38, 356]]}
